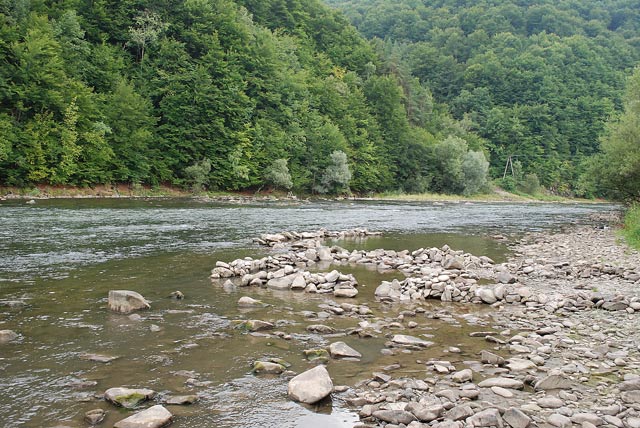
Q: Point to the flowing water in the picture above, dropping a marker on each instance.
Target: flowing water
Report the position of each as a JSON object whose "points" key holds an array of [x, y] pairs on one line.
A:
{"points": [[61, 257]]}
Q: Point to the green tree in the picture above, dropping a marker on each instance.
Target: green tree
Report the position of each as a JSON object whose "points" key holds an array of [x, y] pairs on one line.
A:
{"points": [[278, 174]]}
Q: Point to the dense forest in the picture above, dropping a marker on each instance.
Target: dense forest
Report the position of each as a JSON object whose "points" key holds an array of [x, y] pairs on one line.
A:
{"points": [[537, 80], [250, 94], [214, 94]]}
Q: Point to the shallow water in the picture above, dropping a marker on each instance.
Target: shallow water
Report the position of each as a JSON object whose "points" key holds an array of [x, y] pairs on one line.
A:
{"points": [[63, 256]]}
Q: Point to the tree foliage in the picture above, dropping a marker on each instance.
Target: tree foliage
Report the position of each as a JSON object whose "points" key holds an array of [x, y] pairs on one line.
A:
{"points": [[216, 93], [535, 79]]}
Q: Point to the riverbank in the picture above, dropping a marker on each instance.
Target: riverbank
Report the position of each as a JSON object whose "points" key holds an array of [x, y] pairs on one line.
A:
{"points": [[568, 356], [127, 191]]}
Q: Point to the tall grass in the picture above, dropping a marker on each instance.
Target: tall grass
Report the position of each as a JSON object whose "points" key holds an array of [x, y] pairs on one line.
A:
{"points": [[631, 229]]}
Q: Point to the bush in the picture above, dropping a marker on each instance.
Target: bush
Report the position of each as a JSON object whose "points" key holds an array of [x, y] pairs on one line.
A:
{"points": [[198, 175], [474, 173], [336, 176], [278, 174], [530, 184]]}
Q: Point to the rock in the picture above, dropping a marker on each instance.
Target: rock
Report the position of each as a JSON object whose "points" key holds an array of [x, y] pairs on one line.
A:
{"points": [[316, 354], [486, 295], [125, 301], [7, 336], [502, 382], [254, 325], [127, 397], [182, 400], [343, 291], [267, 367], [425, 413], [453, 263], [342, 350], [153, 417], [629, 385], [558, 420], [485, 418], [298, 283], [614, 306], [491, 358], [178, 295], [320, 328], [248, 302], [502, 392], [332, 276], [462, 376], [94, 417], [283, 283], [311, 386], [459, 412], [505, 277], [98, 358], [550, 403], [631, 397], [396, 417], [516, 418], [592, 418], [519, 364], [324, 254], [553, 381], [404, 340]]}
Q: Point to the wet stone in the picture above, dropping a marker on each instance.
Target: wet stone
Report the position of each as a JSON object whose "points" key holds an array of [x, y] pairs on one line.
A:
{"points": [[153, 417], [94, 417]]}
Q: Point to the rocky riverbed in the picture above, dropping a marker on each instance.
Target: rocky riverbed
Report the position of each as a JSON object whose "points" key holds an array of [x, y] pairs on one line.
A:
{"points": [[562, 347]]}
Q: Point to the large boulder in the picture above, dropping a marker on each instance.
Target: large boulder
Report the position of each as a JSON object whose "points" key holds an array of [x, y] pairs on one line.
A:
{"points": [[127, 397], [125, 301], [311, 386], [153, 417], [7, 336]]}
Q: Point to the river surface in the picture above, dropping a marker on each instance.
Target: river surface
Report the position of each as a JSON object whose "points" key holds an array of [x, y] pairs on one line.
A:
{"points": [[61, 257]]}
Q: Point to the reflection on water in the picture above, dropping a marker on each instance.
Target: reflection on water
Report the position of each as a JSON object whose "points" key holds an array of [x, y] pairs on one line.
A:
{"points": [[62, 257]]}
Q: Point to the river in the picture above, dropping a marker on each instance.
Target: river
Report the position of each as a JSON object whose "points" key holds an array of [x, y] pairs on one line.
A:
{"points": [[60, 257]]}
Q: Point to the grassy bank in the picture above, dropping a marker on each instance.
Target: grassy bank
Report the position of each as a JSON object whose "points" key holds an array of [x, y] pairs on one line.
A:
{"points": [[138, 191], [631, 227]]}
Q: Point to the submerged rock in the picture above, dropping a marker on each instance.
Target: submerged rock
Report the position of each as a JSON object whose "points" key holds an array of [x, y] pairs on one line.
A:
{"points": [[181, 400], [267, 367], [125, 301], [94, 417], [153, 417], [253, 325], [127, 397], [98, 358], [8, 336], [311, 386], [248, 302]]}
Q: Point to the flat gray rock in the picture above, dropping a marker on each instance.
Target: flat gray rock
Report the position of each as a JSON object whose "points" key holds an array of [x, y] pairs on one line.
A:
{"points": [[342, 350], [502, 382], [153, 417], [403, 339]]}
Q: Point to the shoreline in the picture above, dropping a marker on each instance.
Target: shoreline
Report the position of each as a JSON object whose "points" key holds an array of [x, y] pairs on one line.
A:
{"points": [[163, 192]]}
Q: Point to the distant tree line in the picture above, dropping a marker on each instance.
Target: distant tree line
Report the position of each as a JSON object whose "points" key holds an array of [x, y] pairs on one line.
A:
{"points": [[537, 80]]}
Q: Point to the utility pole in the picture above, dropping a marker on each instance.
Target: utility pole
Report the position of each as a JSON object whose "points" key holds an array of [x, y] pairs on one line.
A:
{"points": [[506, 167]]}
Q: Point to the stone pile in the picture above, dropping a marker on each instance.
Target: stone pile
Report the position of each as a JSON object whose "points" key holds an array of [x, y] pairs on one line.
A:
{"points": [[272, 240]]}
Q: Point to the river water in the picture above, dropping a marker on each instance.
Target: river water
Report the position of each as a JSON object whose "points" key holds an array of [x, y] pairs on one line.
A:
{"points": [[61, 257]]}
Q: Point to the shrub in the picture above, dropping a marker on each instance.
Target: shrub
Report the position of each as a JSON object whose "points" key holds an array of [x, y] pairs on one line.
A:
{"points": [[474, 172], [278, 174]]}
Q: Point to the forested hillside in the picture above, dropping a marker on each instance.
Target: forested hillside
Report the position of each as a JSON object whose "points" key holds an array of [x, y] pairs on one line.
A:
{"points": [[536, 79], [216, 94]]}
